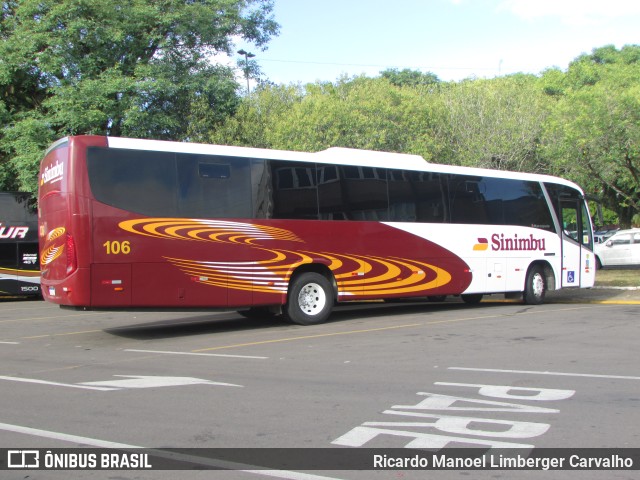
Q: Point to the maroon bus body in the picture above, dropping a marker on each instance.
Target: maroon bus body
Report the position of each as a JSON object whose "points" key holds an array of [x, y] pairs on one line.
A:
{"points": [[95, 255]]}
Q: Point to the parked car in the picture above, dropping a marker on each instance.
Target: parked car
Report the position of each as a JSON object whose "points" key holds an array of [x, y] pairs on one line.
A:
{"points": [[602, 234], [622, 249]]}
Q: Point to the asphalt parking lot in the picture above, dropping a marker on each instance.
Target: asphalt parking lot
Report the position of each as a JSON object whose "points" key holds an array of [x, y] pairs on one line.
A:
{"points": [[563, 374], [620, 295]]}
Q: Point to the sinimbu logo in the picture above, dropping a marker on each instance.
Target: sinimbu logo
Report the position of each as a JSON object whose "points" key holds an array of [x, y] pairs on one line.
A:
{"points": [[500, 242], [483, 244], [52, 174]]}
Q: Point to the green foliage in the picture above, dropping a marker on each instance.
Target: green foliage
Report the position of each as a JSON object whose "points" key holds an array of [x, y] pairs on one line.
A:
{"points": [[138, 68], [409, 78], [593, 134], [27, 141], [257, 117], [360, 112], [496, 123]]}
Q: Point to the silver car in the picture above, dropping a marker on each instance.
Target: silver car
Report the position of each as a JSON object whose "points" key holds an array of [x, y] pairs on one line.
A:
{"points": [[621, 249]]}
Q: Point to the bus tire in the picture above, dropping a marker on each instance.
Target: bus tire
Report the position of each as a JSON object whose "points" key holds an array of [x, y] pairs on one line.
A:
{"points": [[310, 299], [472, 298], [535, 286]]}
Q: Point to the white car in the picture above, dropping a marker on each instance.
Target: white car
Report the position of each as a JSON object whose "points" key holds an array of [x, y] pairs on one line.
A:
{"points": [[623, 248]]}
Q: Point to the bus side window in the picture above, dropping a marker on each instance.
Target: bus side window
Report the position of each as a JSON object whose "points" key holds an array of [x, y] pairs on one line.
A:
{"points": [[213, 186], [295, 193], [416, 197], [467, 200], [137, 181]]}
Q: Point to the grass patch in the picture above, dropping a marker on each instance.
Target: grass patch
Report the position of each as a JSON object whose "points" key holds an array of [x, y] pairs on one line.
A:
{"points": [[618, 278]]}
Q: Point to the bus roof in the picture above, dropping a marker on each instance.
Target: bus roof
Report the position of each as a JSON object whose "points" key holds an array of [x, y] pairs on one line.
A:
{"points": [[333, 155]]}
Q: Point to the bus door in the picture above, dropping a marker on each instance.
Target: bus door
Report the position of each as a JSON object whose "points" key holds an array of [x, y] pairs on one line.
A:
{"points": [[570, 210]]}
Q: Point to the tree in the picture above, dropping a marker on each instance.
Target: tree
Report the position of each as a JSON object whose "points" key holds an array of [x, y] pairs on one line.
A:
{"points": [[496, 123], [254, 122], [355, 112], [408, 77], [593, 135], [138, 68]]}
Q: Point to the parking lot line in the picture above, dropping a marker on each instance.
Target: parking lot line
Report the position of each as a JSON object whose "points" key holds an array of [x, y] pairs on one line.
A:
{"points": [[196, 354], [533, 372], [393, 327], [306, 337], [51, 317], [61, 334]]}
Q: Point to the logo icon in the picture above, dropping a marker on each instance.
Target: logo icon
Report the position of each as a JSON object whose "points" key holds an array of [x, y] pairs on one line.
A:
{"points": [[23, 459], [483, 244], [52, 173]]}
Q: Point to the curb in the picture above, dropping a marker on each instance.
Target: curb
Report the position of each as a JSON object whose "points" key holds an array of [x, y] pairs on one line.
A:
{"points": [[615, 288]]}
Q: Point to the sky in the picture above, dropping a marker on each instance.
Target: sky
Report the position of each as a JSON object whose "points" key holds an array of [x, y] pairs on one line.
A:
{"points": [[322, 40]]}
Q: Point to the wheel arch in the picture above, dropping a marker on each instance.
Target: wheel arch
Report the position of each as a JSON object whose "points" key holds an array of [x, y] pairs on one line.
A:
{"points": [[319, 268], [599, 265]]}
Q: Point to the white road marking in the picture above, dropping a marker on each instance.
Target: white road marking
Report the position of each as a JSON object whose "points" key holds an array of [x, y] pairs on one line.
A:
{"points": [[147, 381], [55, 384], [195, 354], [65, 437], [534, 372], [130, 381], [10, 343], [506, 391]]}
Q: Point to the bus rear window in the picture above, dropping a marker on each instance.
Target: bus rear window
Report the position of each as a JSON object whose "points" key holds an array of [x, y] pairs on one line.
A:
{"points": [[133, 180]]}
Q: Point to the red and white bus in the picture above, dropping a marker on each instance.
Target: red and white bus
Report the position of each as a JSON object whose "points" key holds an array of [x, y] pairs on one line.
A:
{"points": [[141, 223]]}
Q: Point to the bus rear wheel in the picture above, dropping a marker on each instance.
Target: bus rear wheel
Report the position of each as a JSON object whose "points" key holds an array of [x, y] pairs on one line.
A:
{"points": [[310, 299], [535, 286]]}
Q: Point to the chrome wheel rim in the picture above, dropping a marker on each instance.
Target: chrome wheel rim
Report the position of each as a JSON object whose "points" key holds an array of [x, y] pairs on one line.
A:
{"points": [[312, 299], [537, 285]]}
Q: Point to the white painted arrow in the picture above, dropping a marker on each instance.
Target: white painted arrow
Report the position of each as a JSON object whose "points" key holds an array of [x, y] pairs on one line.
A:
{"points": [[144, 381]]}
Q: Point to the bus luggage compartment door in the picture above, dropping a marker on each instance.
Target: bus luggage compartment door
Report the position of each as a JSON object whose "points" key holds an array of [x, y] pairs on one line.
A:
{"points": [[111, 285]]}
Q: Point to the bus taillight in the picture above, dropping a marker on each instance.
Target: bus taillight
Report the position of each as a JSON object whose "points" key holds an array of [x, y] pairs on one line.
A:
{"points": [[72, 259]]}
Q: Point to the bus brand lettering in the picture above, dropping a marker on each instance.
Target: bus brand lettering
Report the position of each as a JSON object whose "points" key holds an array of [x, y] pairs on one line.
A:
{"points": [[501, 243], [52, 174], [13, 232]]}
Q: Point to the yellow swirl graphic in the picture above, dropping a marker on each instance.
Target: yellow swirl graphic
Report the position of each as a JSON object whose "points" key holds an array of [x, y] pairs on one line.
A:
{"points": [[55, 233], [206, 230], [49, 254], [356, 275]]}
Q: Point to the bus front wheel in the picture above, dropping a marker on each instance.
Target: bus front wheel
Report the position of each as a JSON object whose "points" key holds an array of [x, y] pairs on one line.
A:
{"points": [[535, 286], [310, 299]]}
